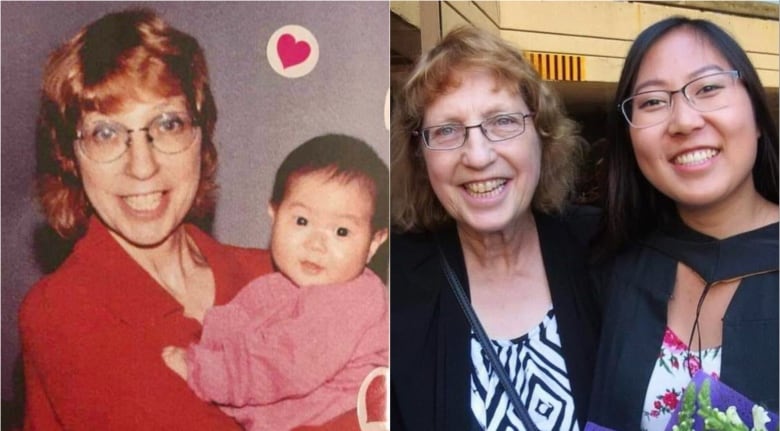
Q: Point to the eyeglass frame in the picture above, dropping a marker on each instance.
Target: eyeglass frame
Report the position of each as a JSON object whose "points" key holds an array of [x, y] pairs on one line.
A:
{"points": [[421, 132], [735, 74], [149, 138]]}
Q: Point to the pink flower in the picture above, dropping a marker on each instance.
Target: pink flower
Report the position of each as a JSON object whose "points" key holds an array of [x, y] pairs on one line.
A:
{"points": [[654, 413], [693, 364], [657, 404], [672, 341], [670, 400]]}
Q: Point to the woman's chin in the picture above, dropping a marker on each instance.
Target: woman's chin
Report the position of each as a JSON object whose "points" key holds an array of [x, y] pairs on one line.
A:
{"points": [[144, 236], [486, 226]]}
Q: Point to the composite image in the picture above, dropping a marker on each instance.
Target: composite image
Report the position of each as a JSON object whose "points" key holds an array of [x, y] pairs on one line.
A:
{"points": [[390, 216]]}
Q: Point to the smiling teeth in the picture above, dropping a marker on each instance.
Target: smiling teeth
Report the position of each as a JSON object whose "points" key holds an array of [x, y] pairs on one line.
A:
{"points": [[145, 202], [484, 188], [695, 157]]}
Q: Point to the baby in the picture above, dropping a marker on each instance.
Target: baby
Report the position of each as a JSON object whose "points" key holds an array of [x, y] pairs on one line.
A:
{"points": [[293, 347]]}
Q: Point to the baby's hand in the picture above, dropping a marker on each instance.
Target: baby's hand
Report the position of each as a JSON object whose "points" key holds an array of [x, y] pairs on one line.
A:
{"points": [[174, 359]]}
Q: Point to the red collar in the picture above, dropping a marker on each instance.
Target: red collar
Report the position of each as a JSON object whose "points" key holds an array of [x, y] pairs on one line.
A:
{"points": [[125, 288]]}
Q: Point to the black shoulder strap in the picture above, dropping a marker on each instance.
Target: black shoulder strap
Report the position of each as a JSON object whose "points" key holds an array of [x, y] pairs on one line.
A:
{"points": [[476, 326]]}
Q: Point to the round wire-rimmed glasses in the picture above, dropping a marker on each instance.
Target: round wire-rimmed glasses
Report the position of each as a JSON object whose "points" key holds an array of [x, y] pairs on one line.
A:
{"points": [[452, 136], [104, 141], [705, 94]]}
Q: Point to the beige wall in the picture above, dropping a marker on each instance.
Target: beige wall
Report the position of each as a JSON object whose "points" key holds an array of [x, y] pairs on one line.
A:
{"points": [[601, 31]]}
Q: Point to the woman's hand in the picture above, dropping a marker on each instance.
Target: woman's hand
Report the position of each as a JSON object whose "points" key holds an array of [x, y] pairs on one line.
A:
{"points": [[174, 359]]}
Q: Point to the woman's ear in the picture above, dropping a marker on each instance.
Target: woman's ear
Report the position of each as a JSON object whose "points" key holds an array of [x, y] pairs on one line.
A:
{"points": [[377, 239]]}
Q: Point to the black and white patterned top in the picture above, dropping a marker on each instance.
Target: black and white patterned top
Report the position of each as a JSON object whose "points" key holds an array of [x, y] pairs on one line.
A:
{"points": [[535, 365]]}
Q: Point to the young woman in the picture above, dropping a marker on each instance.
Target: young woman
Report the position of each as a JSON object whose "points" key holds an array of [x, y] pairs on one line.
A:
{"points": [[691, 228]]}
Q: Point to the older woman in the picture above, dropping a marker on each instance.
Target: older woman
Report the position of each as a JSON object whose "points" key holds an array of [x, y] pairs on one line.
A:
{"points": [[483, 160], [692, 232], [125, 160]]}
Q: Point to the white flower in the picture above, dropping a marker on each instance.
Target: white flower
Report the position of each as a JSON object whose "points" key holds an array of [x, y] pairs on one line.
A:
{"points": [[760, 418], [733, 416]]}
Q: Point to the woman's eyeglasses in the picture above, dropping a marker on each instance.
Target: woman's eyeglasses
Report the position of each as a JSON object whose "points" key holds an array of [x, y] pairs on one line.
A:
{"points": [[705, 94], [105, 141], [451, 136]]}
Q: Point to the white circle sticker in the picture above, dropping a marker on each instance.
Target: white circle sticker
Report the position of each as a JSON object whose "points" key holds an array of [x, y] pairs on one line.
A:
{"points": [[292, 51]]}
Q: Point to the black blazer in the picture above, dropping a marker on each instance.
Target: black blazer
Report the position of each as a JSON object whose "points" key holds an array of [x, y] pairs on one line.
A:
{"points": [[429, 355]]}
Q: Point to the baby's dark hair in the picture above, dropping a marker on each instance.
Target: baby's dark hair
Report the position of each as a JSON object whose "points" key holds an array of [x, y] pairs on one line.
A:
{"points": [[341, 157]]}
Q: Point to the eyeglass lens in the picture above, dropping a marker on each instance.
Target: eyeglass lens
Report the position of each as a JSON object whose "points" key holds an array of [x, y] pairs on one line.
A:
{"points": [[169, 133], [704, 94], [497, 128]]}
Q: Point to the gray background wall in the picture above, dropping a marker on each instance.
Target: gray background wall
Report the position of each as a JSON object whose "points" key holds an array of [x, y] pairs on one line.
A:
{"points": [[262, 115]]}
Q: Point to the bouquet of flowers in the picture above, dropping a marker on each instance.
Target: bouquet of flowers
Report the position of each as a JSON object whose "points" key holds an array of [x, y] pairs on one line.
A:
{"points": [[708, 404]]}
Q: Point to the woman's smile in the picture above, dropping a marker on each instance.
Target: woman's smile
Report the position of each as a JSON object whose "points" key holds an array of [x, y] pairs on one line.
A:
{"points": [[696, 157], [486, 189], [144, 202]]}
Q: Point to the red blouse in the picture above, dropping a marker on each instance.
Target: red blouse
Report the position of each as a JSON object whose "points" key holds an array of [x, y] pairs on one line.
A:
{"points": [[92, 335]]}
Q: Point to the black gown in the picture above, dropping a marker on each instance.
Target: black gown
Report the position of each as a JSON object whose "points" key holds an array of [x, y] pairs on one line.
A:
{"points": [[638, 285]]}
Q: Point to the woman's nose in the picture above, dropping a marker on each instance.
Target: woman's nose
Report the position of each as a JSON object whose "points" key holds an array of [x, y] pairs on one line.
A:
{"points": [[142, 157], [684, 118], [477, 151]]}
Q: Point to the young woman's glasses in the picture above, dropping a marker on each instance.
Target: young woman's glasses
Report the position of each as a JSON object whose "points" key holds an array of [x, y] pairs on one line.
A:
{"points": [[705, 94], [451, 136], [105, 141]]}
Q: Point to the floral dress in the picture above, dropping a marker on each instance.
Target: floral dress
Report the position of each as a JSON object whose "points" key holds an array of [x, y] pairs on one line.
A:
{"points": [[672, 373]]}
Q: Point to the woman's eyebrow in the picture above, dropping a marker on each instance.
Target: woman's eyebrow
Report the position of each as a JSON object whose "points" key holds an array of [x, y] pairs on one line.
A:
{"points": [[692, 75]]}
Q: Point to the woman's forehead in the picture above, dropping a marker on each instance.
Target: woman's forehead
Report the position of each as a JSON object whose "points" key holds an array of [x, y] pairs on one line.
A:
{"points": [[114, 103]]}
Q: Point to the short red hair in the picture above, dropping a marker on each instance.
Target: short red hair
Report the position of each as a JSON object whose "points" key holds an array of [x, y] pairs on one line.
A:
{"points": [[114, 59]]}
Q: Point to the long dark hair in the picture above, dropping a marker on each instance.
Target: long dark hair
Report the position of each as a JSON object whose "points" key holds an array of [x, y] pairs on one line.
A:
{"points": [[632, 206]]}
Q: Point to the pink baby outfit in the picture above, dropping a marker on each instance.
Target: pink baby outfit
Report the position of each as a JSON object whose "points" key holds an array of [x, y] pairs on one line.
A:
{"points": [[279, 356]]}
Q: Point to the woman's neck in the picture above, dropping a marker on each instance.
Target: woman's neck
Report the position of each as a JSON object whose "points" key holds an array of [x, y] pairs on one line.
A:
{"points": [[747, 212], [501, 251], [170, 262]]}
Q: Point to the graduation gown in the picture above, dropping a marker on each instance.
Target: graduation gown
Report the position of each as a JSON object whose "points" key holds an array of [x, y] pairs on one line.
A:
{"points": [[639, 284]]}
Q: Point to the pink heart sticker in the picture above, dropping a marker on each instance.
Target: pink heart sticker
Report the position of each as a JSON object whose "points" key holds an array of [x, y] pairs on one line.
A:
{"points": [[290, 51]]}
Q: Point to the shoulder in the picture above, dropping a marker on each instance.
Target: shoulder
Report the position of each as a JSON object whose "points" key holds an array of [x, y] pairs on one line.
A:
{"points": [[35, 305], [580, 221], [57, 304], [371, 286], [409, 252], [567, 236], [415, 269], [412, 249], [65, 287], [409, 241]]}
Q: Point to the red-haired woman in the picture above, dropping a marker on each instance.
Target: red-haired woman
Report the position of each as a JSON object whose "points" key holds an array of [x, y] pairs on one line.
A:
{"points": [[125, 162]]}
